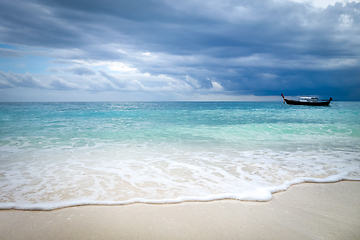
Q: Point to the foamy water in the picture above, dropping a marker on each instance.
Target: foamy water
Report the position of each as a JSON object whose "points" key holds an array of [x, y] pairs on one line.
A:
{"points": [[64, 154]]}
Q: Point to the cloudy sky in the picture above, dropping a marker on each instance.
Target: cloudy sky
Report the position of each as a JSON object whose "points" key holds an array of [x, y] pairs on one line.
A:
{"points": [[197, 50]]}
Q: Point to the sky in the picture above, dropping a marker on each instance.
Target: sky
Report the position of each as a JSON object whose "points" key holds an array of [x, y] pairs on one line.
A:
{"points": [[189, 50]]}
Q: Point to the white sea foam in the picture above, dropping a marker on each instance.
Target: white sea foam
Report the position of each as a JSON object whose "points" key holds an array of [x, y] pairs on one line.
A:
{"points": [[121, 174]]}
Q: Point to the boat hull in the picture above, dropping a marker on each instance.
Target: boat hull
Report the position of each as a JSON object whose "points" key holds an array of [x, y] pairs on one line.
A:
{"points": [[294, 102]]}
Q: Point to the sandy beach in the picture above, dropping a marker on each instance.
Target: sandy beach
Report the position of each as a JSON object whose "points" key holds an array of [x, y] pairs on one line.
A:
{"points": [[305, 211]]}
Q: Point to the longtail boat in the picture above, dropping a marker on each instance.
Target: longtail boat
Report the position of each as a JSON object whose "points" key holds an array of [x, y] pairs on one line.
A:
{"points": [[309, 101]]}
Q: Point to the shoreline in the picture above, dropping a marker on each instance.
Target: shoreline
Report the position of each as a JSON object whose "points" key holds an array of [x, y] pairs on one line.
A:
{"points": [[269, 192], [303, 211]]}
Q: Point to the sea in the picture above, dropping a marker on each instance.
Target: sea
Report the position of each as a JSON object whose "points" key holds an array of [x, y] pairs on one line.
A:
{"points": [[55, 155]]}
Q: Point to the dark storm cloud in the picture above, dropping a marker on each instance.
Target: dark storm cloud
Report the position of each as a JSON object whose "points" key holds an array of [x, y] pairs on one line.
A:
{"points": [[132, 10], [81, 71], [27, 23], [77, 70], [249, 47]]}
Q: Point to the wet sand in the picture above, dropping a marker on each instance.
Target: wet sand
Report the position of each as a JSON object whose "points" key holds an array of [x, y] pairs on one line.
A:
{"points": [[304, 211]]}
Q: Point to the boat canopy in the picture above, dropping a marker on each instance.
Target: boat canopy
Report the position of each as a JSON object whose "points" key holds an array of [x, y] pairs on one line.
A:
{"points": [[308, 99]]}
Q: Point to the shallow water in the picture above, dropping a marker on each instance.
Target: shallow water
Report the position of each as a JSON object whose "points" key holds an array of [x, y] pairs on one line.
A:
{"points": [[62, 154]]}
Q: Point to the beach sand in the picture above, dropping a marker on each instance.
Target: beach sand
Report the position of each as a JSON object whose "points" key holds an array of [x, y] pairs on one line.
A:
{"points": [[304, 211]]}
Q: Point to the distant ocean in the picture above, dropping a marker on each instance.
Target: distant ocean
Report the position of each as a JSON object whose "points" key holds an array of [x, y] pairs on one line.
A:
{"points": [[55, 155]]}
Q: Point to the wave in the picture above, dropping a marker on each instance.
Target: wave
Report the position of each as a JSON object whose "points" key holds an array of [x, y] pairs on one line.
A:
{"points": [[259, 195]]}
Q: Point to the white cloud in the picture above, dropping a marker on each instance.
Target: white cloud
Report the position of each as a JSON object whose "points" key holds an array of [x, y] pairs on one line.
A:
{"points": [[60, 84], [323, 3], [131, 84], [111, 65], [269, 76], [192, 81], [20, 80], [217, 87], [345, 21]]}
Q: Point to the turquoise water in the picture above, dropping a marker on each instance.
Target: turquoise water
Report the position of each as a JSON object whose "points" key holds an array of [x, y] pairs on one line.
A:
{"points": [[62, 154]]}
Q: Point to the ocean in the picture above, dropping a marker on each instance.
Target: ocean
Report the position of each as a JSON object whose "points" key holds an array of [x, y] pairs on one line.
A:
{"points": [[55, 155]]}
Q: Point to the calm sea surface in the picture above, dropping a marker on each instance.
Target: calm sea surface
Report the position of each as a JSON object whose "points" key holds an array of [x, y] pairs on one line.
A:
{"points": [[62, 154]]}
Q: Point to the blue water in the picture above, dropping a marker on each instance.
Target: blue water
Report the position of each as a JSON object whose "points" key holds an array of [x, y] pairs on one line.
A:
{"points": [[63, 154]]}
